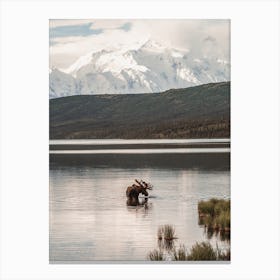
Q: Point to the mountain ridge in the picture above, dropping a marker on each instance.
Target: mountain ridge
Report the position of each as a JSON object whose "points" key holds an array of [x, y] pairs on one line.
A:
{"points": [[196, 112]]}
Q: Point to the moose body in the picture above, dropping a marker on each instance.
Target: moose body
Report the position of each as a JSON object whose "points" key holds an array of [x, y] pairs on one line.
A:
{"points": [[132, 192]]}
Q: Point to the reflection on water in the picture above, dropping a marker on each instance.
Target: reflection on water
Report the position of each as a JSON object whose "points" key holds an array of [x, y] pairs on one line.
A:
{"points": [[168, 245], [135, 141], [90, 221], [220, 235], [146, 151]]}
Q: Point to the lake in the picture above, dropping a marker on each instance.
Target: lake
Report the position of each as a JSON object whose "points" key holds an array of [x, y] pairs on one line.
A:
{"points": [[89, 218]]}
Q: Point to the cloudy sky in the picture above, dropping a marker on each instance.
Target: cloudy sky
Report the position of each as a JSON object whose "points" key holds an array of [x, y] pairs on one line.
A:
{"points": [[70, 39]]}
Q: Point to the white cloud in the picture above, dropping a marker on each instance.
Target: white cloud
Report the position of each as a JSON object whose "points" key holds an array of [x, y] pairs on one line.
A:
{"points": [[53, 23], [108, 23], [187, 34]]}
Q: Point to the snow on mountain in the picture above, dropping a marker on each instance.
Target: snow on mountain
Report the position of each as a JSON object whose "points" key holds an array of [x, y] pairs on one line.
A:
{"points": [[61, 84], [150, 67]]}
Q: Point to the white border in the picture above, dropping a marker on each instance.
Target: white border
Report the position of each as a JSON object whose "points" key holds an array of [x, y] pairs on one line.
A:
{"points": [[255, 115]]}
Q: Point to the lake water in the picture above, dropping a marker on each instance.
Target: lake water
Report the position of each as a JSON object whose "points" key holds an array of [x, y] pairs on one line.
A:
{"points": [[89, 218]]}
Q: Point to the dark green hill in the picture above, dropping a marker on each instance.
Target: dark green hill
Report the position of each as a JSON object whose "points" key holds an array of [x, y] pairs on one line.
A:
{"points": [[196, 112]]}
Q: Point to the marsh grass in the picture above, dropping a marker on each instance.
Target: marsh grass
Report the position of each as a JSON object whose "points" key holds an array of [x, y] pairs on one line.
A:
{"points": [[224, 256], [155, 255], [180, 254], [224, 235], [202, 252], [166, 232], [166, 244], [223, 220], [215, 214], [206, 208]]}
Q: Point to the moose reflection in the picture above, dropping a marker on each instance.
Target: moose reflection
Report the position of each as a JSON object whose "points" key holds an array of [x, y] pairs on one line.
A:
{"points": [[132, 192]]}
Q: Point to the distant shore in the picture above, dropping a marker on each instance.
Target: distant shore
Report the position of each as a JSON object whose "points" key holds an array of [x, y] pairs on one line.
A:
{"points": [[175, 153], [136, 146]]}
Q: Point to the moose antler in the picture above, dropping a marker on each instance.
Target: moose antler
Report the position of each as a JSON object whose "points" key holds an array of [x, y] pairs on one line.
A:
{"points": [[145, 185]]}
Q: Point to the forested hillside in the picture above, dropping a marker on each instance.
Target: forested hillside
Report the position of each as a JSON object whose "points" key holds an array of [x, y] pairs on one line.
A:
{"points": [[196, 112]]}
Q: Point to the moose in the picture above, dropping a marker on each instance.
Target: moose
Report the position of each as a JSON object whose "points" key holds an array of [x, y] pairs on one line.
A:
{"points": [[132, 192]]}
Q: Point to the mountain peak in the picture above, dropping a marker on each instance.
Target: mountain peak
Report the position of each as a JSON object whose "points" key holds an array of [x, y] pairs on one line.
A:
{"points": [[154, 45], [151, 66], [79, 63]]}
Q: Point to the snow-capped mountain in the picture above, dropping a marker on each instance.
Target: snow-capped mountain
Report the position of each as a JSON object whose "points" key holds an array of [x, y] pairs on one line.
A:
{"points": [[150, 67], [61, 84]]}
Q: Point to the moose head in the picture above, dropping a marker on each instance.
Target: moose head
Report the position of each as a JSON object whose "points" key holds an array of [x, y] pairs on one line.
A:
{"points": [[132, 192]]}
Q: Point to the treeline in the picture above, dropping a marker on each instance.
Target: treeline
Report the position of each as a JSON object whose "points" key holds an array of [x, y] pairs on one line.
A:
{"points": [[217, 128]]}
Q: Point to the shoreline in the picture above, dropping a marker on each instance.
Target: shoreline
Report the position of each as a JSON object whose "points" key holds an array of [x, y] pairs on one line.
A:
{"points": [[53, 147], [112, 144]]}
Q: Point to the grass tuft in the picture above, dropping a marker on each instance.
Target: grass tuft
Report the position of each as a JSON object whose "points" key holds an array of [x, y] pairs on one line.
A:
{"points": [[224, 256], [155, 255], [180, 254], [215, 214], [202, 252], [223, 220], [166, 232]]}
